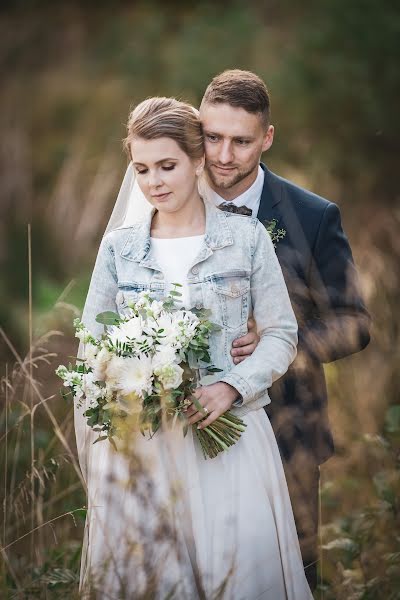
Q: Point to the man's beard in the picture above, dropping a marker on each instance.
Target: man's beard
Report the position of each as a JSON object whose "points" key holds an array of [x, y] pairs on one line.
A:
{"points": [[226, 183]]}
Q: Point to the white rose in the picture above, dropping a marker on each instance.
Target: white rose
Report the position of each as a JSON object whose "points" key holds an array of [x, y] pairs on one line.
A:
{"points": [[170, 376]]}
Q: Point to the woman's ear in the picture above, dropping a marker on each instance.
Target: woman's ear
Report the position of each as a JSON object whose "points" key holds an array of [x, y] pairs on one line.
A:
{"points": [[200, 166]]}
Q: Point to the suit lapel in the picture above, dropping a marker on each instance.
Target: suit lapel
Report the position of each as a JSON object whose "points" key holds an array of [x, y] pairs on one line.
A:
{"points": [[270, 198]]}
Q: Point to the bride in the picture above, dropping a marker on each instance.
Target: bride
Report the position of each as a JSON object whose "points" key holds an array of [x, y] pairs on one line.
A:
{"points": [[162, 521]]}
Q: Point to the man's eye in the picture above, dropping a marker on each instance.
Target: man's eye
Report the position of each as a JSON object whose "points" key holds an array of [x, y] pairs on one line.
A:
{"points": [[242, 142], [169, 168], [212, 138]]}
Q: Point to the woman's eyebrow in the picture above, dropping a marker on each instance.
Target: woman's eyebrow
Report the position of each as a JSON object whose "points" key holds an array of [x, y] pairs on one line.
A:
{"points": [[158, 162]]}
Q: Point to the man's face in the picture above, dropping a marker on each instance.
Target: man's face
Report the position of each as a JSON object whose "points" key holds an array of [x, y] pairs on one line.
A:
{"points": [[234, 140]]}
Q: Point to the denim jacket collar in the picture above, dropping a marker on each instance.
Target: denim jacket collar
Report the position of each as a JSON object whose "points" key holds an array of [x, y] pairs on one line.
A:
{"points": [[217, 235]]}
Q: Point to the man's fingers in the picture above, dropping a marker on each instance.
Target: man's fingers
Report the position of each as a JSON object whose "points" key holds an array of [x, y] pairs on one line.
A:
{"points": [[238, 359], [245, 340], [251, 324], [244, 350]]}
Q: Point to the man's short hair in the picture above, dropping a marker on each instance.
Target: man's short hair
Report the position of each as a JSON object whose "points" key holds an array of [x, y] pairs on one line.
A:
{"points": [[241, 89]]}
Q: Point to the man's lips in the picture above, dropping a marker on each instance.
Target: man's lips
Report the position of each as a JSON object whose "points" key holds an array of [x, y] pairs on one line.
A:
{"points": [[224, 170]]}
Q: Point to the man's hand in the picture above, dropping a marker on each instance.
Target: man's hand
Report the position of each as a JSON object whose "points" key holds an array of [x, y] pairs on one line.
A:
{"points": [[213, 400], [245, 346]]}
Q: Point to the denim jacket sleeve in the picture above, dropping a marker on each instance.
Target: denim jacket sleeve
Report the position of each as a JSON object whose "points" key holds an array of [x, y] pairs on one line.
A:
{"points": [[103, 288], [276, 324]]}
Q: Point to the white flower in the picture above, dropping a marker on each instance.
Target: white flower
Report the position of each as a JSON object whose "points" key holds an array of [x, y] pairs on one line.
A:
{"points": [[127, 331], [92, 391], [114, 370], [171, 331], [135, 376], [156, 308], [143, 302], [187, 322], [70, 379], [89, 354], [170, 376], [83, 334], [61, 371], [165, 355], [100, 363]]}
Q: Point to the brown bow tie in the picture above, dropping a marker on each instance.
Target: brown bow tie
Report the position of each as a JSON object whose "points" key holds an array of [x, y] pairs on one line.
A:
{"points": [[232, 208]]}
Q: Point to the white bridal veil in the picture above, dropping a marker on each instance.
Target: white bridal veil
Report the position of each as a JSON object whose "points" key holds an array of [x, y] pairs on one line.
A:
{"points": [[131, 205]]}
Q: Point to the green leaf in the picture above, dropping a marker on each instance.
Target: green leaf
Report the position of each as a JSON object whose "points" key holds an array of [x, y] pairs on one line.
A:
{"points": [[108, 318], [100, 438]]}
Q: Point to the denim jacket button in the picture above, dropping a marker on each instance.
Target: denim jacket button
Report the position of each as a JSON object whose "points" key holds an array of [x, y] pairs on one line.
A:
{"points": [[158, 276], [195, 270], [199, 306]]}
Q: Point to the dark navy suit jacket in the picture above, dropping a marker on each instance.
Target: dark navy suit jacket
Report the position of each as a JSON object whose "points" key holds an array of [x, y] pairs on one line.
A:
{"points": [[318, 267]]}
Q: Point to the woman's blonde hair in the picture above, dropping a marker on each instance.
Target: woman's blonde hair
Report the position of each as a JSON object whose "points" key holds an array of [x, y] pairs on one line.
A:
{"points": [[166, 117]]}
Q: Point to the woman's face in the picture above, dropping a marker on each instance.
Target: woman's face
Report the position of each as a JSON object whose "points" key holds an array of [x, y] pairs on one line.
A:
{"points": [[165, 173]]}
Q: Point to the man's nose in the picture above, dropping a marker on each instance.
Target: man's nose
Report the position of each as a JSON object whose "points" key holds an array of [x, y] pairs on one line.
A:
{"points": [[226, 154]]}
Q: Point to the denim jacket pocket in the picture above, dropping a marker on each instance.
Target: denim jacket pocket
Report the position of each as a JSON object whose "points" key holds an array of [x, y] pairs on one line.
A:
{"points": [[233, 291], [128, 293]]}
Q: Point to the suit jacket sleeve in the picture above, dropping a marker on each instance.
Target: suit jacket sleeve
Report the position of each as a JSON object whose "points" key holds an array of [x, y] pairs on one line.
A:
{"points": [[341, 324]]}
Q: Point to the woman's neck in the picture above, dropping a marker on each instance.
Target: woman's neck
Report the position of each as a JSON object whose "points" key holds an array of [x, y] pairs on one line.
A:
{"points": [[190, 220]]}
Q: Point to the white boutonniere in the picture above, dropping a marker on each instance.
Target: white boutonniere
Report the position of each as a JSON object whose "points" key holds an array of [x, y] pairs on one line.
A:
{"points": [[275, 234]]}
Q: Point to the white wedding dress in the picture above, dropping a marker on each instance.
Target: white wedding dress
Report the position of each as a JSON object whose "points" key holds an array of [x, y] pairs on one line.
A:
{"points": [[163, 522]]}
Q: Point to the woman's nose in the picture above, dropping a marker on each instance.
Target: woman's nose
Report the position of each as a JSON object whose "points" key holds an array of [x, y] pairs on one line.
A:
{"points": [[155, 179]]}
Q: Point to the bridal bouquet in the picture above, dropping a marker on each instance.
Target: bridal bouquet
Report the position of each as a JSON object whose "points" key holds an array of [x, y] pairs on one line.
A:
{"points": [[145, 367]]}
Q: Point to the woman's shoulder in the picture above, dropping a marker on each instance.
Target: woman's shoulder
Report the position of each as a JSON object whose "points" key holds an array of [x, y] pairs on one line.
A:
{"points": [[117, 238], [241, 222]]}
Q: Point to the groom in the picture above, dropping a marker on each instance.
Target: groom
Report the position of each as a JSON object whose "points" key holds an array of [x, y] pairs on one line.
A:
{"points": [[317, 263]]}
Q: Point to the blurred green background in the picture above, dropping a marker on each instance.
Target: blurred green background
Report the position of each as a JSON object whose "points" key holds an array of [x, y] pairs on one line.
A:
{"points": [[70, 73]]}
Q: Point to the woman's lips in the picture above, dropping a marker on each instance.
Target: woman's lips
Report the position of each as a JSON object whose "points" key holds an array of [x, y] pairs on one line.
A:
{"points": [[161, 197]]}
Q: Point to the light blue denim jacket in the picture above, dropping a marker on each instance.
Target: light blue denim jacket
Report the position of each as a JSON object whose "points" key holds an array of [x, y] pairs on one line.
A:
{"points": [[236, 274]]}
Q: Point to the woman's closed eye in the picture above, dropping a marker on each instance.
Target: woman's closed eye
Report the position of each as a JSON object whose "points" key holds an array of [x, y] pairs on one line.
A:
{"points": [[164, 168]]}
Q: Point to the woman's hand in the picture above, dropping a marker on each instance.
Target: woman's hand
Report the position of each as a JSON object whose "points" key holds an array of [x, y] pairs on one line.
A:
{"points": [[245, 346], [215, 399]]}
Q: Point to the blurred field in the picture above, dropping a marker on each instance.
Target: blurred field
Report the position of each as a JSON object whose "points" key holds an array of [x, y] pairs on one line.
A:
{"points": [[70, 72]]}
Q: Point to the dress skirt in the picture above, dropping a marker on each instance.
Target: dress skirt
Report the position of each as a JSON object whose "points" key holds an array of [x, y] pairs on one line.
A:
{"points": [[165, 523]]}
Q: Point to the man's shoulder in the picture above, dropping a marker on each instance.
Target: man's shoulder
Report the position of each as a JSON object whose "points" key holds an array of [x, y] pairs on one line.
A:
{"points": [[299, 197]]}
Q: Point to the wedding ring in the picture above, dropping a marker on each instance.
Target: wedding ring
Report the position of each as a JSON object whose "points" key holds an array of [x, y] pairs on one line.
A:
{"points": [[205, 409]]}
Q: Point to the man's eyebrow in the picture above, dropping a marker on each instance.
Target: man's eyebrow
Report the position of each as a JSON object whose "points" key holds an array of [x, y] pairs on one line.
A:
{"points": [[158, 161], [235, 137]]}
